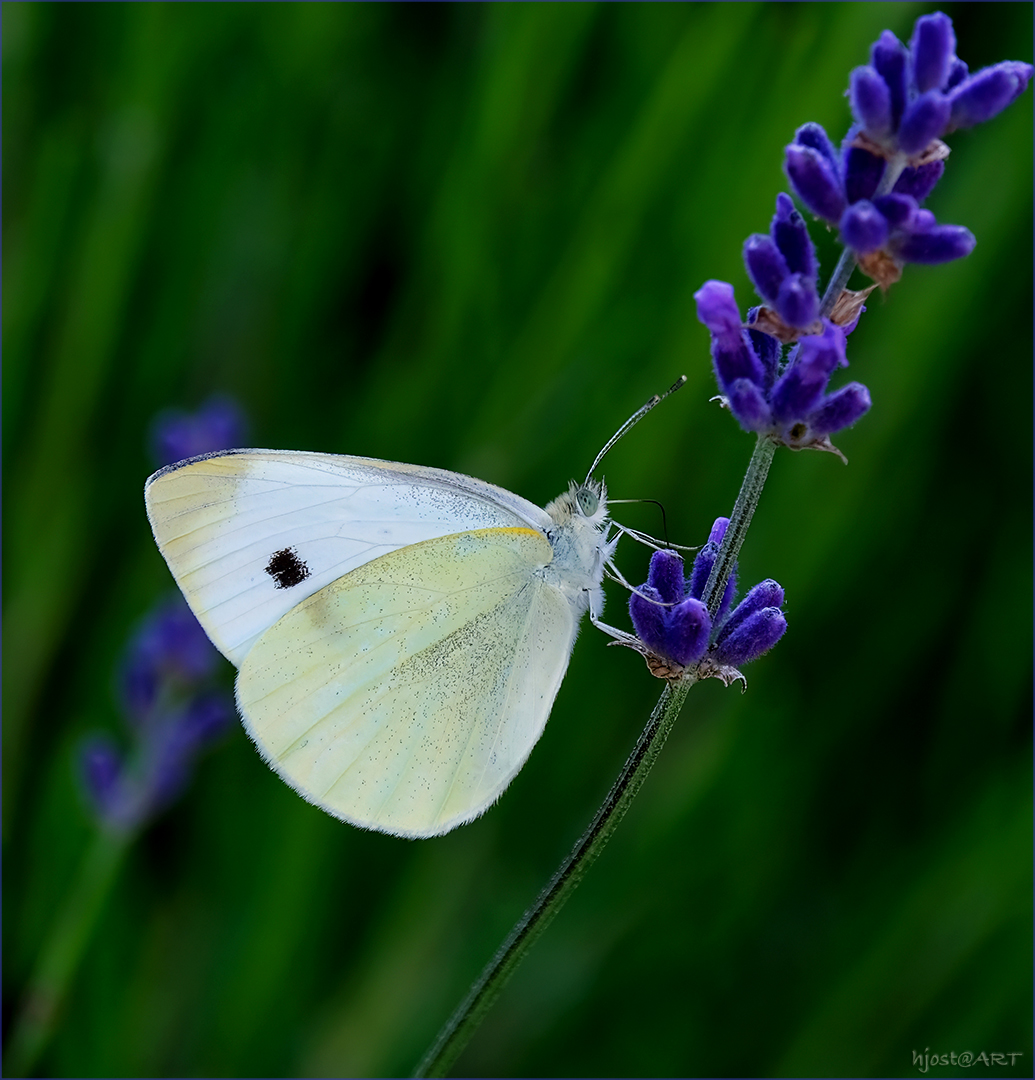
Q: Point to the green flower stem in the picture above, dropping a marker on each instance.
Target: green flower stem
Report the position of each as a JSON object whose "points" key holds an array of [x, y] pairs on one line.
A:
{"points": [[846, 264], [62, 952], [471, 1011], [838, 280], [740, 519]]}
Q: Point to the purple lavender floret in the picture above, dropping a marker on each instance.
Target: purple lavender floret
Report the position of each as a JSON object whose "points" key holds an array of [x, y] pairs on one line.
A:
{"points": [[219, 424], [755, 634], [783, 266], [670, 619], [893, 230], [904, 99], [788, 402], [173, 711]]}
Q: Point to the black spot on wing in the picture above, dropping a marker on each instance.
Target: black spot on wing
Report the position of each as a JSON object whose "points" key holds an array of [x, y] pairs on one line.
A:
{"points": [[286, 568]]}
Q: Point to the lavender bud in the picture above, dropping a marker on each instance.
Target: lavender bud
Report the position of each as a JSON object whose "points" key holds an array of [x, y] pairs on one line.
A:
{"points": [[863, 227], [863, 172], [767, 349], [702, 567], [933, 48], [748, 405], [815, 180], [840, 409], [824, 351], [920, 182], [665, 576], [647, 613], [688, 631], [765, 265], [731, 350], [719, 527], [798, 302], [922, 220], [925, 120], [815, 136], [797, 392], [755, 636], [765, 594], [679, 632], [791, 234], [890, 58], [898, 210], [938, 244], [987, 93], [717, 309], [958, 71], [871, 102]]}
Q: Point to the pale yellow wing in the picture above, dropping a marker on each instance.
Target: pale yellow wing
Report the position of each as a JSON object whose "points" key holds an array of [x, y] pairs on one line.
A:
{"points": [[405, 696]]}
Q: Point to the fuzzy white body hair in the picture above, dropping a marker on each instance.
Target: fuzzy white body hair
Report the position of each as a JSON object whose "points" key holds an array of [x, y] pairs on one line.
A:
{"points": [[580, 551]]}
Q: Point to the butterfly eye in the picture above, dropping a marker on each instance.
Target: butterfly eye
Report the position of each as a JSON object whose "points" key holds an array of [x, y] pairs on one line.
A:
{"points": [[588, 501]]}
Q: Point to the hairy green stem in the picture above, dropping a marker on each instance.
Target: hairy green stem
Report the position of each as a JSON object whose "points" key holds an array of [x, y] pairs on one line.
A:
{"points": [[838, 280], [740, 519], [62, 952]]}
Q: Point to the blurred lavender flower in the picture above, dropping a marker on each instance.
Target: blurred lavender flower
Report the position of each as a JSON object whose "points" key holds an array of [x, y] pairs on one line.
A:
{"points": [[166, 678], [674, 625], [220, 424], [785, 399], [173, 712]]}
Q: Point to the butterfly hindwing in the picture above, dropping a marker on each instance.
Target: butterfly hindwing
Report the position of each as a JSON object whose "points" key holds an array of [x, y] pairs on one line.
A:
{"points": [[251, 534], [406, 695]]}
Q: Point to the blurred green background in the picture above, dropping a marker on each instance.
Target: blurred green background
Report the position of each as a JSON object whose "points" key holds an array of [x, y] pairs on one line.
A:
{"points": [[468, 236]]}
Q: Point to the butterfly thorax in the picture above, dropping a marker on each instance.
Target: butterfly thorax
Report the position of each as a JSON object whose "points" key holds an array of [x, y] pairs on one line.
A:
{"points": [[579, 545]]}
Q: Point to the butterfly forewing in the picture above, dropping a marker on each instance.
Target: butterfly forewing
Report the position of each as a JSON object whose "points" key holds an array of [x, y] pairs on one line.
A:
{"points": [[250, 534], [405, 696]]}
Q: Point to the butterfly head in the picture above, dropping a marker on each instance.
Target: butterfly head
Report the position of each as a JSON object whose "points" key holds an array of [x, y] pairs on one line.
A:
{"points": [[584, 503]]}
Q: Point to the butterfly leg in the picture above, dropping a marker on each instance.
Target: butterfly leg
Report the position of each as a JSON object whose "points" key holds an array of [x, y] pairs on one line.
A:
{"points": [[611, 631]]}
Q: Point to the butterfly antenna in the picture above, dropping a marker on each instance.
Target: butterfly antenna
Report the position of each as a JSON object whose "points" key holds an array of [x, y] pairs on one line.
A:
{"points": [[636, 416], [659, 505]]}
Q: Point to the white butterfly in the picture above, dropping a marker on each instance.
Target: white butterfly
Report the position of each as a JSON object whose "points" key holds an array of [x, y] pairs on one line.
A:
{"points": [[400, 632]]}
